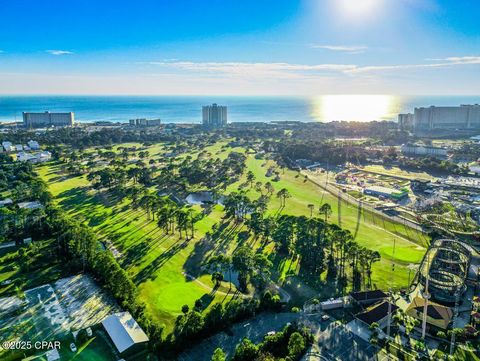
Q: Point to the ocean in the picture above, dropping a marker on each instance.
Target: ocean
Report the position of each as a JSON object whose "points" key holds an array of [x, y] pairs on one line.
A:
{"points": [[187, 109]]}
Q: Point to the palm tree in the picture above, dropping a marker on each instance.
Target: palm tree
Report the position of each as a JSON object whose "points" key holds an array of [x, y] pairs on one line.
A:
{"points": [[372, 257]]}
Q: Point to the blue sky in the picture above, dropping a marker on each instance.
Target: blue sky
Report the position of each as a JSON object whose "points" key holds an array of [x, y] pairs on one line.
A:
{"points": [[246, 47]]}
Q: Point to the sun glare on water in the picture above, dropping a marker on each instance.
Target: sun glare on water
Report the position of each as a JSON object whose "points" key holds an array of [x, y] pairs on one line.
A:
{"points": [[361, 108]]}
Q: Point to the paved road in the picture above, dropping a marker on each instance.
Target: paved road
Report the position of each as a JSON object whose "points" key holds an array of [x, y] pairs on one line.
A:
{"points": [[353, 201], [333, 341], [254, 329]]}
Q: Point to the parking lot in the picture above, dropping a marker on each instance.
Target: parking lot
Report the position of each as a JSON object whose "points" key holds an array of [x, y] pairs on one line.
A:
{"points": [[337, 342], [254, 329], [333, 341]]}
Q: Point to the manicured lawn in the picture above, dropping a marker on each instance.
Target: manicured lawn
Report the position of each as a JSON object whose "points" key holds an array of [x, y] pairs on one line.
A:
{"points": [[371, 231], [155, 261], [158, 262]]}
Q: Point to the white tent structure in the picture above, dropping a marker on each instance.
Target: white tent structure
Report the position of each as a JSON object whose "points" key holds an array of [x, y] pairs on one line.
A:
{"points": [[124, 331]]}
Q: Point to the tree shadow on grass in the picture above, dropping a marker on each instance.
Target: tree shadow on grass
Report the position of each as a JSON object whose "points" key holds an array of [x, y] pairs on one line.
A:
{"points": [[133, 255], [136, 252], [193, 264], [76, 199], [128, 233], [149, 271], [206, 300], [216, 243], [98, 219], [224, 238], [107, 198]]}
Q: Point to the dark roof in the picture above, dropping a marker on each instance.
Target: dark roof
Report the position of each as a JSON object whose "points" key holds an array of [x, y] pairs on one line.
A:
{"points": [[376, 312], [368, 295], [434, 310]]}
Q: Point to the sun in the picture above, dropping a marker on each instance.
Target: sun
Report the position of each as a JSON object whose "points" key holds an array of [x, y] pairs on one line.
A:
{"points": [[354, 108], [358, 8]]}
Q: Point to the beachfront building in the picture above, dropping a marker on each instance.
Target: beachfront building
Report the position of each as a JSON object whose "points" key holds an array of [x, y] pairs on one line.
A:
{"points": [[142, 122], [405, 121], [464, 117], [214, 116], [47, 119]]}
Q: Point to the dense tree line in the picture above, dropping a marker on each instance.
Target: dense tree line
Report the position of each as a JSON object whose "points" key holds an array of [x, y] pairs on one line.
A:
{"points": [[290, 344], [324, 247], [319, 151], [77, 137], [21, 184], [193, 325], [432, 164], [76, 244]]}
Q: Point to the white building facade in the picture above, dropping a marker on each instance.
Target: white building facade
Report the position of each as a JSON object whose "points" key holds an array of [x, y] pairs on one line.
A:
{"points": [[214, 115], [47, 119], [464, 117]]}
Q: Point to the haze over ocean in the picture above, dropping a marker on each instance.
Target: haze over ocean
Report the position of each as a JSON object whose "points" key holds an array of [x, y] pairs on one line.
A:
{"points": [[187, 109]]}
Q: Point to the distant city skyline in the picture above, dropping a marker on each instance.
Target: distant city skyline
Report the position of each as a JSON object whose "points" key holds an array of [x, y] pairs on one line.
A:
{"points": [[308, 47]]}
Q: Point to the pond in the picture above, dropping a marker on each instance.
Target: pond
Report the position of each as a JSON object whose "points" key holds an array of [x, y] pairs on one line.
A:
{"points": [[203, 198]]}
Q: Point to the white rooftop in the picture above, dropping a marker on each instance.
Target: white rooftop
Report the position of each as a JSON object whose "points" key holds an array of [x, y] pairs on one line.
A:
{"points": [[6, 201], [30, 205], [124, 331], [381, 189]]}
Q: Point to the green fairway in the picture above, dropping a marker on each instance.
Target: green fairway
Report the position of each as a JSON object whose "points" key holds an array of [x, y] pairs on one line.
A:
{"points": [[155, 261], [167, 268], [373, 232]]}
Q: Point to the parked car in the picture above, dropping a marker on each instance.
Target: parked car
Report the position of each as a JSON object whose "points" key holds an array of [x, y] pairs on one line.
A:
{"points": [[73, 347]]}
